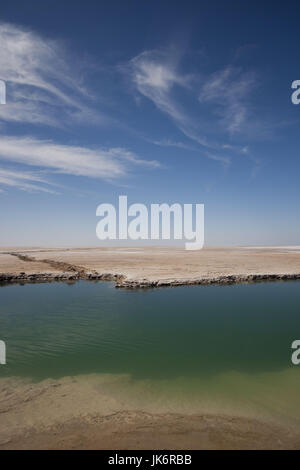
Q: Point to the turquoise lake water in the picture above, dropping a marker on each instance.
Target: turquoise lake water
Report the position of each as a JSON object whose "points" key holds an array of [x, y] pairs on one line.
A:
{"points": [[201, 349], [55, 329]]}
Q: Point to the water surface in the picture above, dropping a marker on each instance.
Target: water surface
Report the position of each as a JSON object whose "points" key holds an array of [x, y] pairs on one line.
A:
{"points": [[218, 343]]}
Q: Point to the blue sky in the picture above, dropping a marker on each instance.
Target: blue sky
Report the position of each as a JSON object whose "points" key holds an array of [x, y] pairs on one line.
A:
{"points": [[164, 101]]}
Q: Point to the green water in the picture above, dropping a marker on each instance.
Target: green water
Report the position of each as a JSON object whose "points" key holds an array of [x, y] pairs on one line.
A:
{"points": [[56, 330], [202, 349]]}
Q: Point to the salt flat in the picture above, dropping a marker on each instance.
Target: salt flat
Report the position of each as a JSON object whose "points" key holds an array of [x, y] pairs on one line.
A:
{"points": [[155, 263]]}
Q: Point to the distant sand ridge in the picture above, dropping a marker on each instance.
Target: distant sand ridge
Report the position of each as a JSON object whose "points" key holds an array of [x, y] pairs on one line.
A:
{"points": [[151, 266]]}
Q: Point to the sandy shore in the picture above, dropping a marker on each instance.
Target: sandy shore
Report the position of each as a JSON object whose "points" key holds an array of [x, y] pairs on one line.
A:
{"points": [[92, 412], [141, 431], [151, 266]]}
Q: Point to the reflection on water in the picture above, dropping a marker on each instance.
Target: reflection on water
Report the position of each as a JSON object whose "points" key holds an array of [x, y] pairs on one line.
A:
{"points": [[204, 348]]}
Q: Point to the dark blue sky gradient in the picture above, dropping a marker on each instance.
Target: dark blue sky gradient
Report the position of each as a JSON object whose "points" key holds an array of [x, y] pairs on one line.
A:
{"points": [[248, 178]]}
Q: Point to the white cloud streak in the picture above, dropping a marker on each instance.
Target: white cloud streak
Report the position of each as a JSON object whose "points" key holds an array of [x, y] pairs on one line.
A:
{"points": [[24, 181], [228, 90], [107, 164], [41, 88], [155, 76]]}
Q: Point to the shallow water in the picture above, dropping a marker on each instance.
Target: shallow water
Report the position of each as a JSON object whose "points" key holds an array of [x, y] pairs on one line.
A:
{"points": [[221, 347]]}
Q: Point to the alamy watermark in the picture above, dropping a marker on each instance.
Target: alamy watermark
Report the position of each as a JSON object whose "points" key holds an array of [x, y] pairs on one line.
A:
{"points": [[296, 94], [296, 354], [162, 222], [2, 92], [2, 353]]}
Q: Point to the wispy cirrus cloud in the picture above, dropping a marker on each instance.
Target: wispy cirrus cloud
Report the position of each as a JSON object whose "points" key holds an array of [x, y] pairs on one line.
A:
{"points": [[42, 86], [45, 88], [228, 91], [107, 164], [172, 143], [25, 181], [156, 76]]}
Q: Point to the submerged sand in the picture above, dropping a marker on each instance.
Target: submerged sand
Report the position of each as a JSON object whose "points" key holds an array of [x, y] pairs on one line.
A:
{"points": [[151, 266], [111, 411]]}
